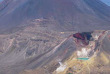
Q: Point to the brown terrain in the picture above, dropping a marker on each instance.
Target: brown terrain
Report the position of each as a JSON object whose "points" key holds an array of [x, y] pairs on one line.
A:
{"points": [[35, 36]]}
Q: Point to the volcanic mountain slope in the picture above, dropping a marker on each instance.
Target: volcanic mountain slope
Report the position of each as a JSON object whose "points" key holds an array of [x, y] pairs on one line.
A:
{"points": [[65, 15], [35, 34], [35, 50], [98, 63], [31, 48]]}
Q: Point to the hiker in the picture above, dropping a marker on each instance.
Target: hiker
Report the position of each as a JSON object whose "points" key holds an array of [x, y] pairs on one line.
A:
{"points": [[83, 38]]}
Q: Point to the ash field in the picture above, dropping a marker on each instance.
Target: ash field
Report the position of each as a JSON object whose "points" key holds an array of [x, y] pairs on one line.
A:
{"points": [[54, 37]]}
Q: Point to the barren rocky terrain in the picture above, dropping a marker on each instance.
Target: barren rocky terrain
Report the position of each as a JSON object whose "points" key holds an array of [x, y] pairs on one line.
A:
{"points": [[63, 15], [35, 36]]}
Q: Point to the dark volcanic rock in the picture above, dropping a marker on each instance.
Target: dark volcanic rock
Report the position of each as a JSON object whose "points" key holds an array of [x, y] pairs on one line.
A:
{"points": [[66, 15]]}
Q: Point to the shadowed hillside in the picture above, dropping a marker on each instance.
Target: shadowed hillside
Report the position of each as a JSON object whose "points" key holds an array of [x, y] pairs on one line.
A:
{"points": [[64, 14]]}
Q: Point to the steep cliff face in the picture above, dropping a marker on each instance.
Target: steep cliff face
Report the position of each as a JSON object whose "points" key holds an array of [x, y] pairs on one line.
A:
{"points": [[65, 14]]}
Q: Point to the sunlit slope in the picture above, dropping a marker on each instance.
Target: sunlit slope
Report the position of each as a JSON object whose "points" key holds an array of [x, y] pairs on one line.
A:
{"points": [[64, 60], [98, 63]]}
